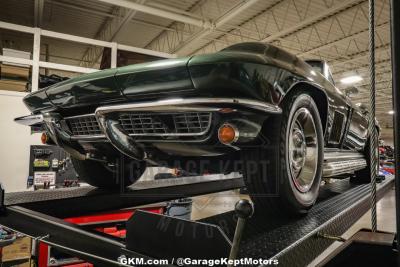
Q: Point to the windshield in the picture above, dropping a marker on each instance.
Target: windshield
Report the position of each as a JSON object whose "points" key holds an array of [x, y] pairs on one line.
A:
{"points": [[317, 65]]}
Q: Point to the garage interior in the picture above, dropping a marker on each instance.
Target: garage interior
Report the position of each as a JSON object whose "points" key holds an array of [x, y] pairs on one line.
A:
{"points": [[48, 41]]}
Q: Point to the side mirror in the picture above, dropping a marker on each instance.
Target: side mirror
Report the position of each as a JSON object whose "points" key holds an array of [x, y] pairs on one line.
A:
{"points": [[363, 108], [350, 91]]}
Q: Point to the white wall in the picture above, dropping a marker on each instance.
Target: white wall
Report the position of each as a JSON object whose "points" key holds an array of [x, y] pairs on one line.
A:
{"points": [[15, 141]]}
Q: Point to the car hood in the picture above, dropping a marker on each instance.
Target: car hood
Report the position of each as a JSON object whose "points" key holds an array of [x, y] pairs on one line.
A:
{"points": [[113, 85], [152, 80]]}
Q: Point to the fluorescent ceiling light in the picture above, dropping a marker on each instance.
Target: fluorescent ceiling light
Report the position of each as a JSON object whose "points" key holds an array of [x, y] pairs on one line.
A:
{"points": [[351, 79], [391, 112]]}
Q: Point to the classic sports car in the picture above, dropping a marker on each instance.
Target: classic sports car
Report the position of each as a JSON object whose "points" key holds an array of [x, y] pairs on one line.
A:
{"points": [[252, 108]]}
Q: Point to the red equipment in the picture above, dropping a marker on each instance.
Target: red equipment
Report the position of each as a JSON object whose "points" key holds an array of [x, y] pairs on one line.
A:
{"points": [[111, 223]]}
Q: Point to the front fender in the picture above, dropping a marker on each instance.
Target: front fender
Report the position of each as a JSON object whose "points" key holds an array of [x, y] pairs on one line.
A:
{"points": [[319, 96]]}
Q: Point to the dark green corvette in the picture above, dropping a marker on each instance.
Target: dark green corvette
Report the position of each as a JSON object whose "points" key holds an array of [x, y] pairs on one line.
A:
{"points": [[252, 108]]}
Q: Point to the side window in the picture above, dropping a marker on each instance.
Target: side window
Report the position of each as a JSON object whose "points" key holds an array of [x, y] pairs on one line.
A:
{"points": [[316, 65], [330, 77]]}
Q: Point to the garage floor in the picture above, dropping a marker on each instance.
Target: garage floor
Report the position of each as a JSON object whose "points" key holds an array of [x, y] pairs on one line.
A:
{"points": [[208, 205], [386, 215]]}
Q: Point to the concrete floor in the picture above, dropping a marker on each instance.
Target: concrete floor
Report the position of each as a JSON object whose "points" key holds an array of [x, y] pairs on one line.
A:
{"points": [[212, 204], [386, 221], [208, 205]]}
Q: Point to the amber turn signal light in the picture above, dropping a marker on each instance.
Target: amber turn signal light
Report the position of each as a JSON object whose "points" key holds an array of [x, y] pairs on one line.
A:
{"points": [[228, 134], [44, 138]]}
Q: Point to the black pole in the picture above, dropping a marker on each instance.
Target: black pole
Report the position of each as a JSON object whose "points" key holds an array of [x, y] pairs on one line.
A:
{"points": [[395, 45]]}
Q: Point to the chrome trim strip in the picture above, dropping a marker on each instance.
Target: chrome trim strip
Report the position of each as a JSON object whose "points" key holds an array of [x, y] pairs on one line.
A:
{"points": [[80, 116], [118, 138], [102, 136], [60, 137], [335, 168], [342, 155], [187, 104], [86, 137], [30, 120], [174, 105]]}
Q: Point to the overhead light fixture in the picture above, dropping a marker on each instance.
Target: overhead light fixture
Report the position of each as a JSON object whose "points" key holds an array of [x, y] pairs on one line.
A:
{"points": [[391, 112], [351, 79]]}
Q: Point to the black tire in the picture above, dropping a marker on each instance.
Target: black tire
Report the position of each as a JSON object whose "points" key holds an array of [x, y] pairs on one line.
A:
{"points": [[271, 186], [97, 174]]}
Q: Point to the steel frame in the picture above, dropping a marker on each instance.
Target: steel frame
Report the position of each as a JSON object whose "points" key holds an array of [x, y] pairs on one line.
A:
{"points": [[293, 242], [395, 51], [38, 214], [322, 236]]}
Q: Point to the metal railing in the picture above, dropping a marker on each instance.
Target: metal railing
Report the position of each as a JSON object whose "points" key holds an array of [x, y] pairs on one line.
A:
{"points": [[36, 63]]}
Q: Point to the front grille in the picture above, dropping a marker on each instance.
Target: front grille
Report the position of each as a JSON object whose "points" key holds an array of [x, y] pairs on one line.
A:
{"points": [[146, 124], [166, 124], [84, 126]]}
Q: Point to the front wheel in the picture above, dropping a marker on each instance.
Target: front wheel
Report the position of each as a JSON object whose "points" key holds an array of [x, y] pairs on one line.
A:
{"points": [[99, 175], [292, 159]]}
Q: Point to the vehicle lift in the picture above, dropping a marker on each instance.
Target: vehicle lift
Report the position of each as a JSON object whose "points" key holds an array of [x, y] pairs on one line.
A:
{"points": [[293, 241]]}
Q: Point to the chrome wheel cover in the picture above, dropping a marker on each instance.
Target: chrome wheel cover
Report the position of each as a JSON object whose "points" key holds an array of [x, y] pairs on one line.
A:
{"points": [[302, 146]]}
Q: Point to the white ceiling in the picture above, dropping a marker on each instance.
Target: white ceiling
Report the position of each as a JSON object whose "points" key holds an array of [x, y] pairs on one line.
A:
{"points": [[334, 30]]}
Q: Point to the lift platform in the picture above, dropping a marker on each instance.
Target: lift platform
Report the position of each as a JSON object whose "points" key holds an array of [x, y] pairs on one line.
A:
{"points": [[292, 241]]}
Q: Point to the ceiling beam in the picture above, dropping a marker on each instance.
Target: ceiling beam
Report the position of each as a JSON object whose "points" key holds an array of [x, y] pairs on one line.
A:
{"points": [[221, 21], [81, 8], [110, 15], [360, 55], [313, 19], [161, 13], [92, 54], [347, 38], [377, 82], [310, 20], [124, 22], [174, 9], [379, 63]]}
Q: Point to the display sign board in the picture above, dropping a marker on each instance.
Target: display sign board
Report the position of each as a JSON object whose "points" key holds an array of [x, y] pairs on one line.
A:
{"points": [[45, 159], [39, 178]]}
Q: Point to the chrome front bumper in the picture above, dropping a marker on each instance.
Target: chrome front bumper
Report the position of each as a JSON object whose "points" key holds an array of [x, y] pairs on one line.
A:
{"points": [[123, 141], [190, 104], [30, 120], [51, 122]]}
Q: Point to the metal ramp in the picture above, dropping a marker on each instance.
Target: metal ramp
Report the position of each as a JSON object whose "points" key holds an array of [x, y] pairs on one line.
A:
{"points": [[293, 241]]}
